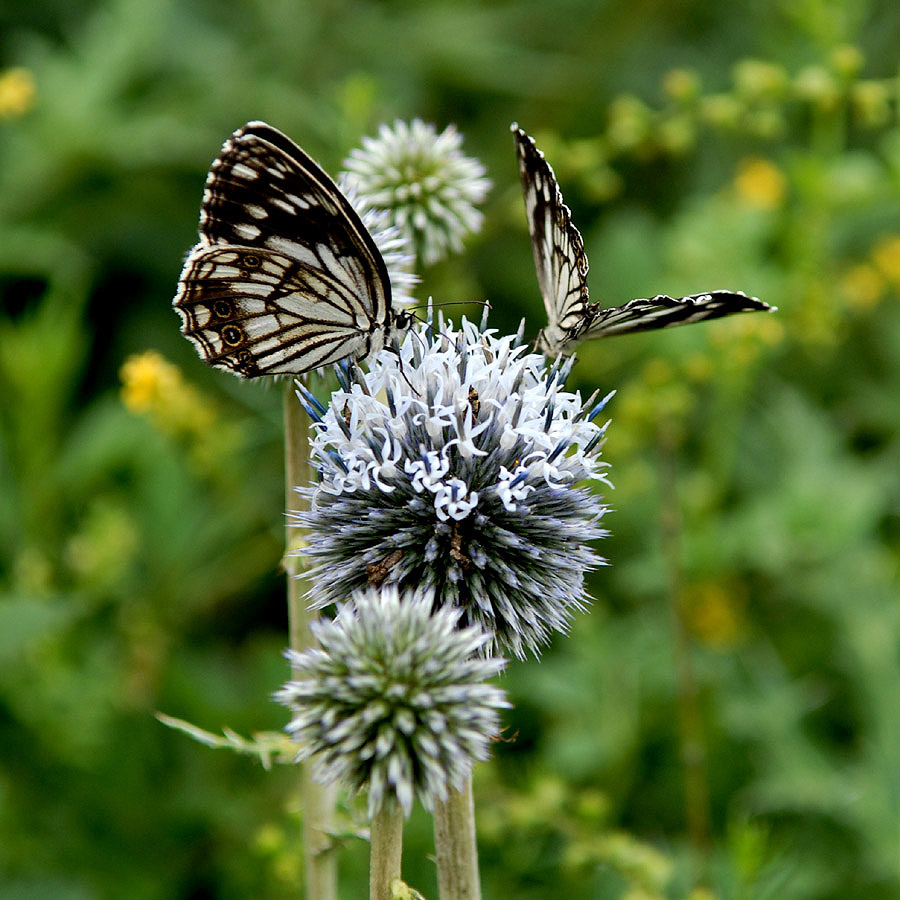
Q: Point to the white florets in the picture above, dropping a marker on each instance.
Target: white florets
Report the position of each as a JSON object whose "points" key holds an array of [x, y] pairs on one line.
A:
{"points": [[455, 465], [429, 188]]}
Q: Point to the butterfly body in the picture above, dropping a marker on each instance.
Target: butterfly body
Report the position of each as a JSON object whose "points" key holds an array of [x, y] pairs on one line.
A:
{"points": [[562, 268], [285, 277]]}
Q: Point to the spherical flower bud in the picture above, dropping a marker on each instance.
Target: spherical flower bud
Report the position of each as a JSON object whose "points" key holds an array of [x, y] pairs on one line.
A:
{"points": [[393, 699], [428, 187]]}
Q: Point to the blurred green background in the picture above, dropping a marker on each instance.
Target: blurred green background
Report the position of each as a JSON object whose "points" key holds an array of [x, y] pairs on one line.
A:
{"points": [[725, 722]]}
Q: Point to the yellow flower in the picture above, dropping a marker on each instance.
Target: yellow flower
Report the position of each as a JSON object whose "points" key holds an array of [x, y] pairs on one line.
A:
{"points": [[682, 85], [152, 386], [722, 110], [756, 79], [847, 60], [760, 183], [871, 103], [658, 372], [863, 284], [818, 86], [886, 256], [714, 614], [148, 381], [768, 329], [17, 93], [629, 123], [677, 134]]}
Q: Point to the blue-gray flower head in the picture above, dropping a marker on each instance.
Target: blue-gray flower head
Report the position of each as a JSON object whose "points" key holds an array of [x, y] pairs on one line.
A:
{"points": [[393, 699], [455, 465], [425, 182]]}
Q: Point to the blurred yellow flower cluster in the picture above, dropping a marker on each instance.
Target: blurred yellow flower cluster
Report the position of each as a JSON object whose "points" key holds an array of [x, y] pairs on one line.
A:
{"points": [[17, 93], [759, 183], [761, 102], [866, 283], [147, 381], [714, 614], [668, 389], [154, 387]]}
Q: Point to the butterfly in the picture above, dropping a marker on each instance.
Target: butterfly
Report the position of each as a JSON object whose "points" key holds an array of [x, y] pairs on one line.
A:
{"points": [[562, 268], [285, 277]]}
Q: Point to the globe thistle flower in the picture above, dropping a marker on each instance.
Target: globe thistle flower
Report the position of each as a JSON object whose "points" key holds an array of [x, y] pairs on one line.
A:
{"points": [[393, 700], [453, 464], [428, 186]]}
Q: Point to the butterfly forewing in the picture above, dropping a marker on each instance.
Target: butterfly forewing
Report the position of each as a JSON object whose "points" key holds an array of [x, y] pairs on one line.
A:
{"points": [[286, 277], [559, 256], [562, 269], [663, 312]]}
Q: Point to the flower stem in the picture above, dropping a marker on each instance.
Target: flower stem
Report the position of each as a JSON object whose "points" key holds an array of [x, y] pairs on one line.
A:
{"points": [[690, 724], [320, 864], [455, 848], [386, 851]]}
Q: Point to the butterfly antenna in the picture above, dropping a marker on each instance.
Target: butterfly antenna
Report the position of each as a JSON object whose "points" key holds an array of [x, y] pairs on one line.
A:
{"points": [[422, 344], [483, 303], [395, 349]]}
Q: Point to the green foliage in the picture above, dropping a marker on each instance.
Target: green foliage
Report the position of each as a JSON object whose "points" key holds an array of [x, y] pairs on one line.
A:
{"points": [[744, 640]]}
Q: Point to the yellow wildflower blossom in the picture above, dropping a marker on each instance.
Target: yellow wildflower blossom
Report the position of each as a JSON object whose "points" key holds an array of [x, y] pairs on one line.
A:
{"points": [[760, 183], [148, 379], [152, 386], [863, 285], [17, 93], [886, 256]]}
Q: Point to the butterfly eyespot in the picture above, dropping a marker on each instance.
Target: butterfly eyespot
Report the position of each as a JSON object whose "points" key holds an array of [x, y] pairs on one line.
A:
{"points": [[251, 261], [232, 335], [222, 309], [246, 364]]}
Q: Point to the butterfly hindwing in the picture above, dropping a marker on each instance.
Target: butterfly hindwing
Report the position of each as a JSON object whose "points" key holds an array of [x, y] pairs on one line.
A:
{"points": [[562, 269], [286, 276], [258, 312]]}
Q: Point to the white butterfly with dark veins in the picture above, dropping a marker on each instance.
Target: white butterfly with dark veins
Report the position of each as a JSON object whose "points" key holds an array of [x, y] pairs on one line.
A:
{"points": [[562, 268], [285, 278]]}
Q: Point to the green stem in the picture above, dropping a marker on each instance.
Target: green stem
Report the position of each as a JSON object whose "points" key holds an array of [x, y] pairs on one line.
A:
{"points": [[690, 725], [455, 848], [386, 851], [320, 864]]}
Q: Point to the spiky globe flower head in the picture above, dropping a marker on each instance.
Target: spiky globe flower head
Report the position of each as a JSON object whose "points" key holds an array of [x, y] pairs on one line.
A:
{"points": [[425, 182], [454, 463], [393, 699]]}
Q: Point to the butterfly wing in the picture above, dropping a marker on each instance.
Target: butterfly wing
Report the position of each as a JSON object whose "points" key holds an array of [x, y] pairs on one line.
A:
{"points": [[259, 312], [663, 312], [286, 277], [562, 269], [559, 256]]}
